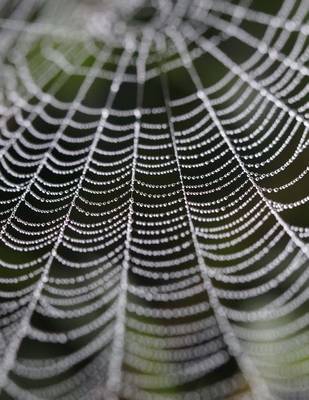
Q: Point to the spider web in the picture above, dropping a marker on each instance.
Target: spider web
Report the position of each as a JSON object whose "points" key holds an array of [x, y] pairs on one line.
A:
{"points": [[154, 191]]}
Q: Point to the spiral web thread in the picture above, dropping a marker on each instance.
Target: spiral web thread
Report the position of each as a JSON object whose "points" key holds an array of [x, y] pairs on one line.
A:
{"points": [[153, 192]]}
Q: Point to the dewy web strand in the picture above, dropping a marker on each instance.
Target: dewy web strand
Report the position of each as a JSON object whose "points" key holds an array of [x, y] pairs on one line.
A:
{"points": [[115, 366], [11, 352], [259, 389]]}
